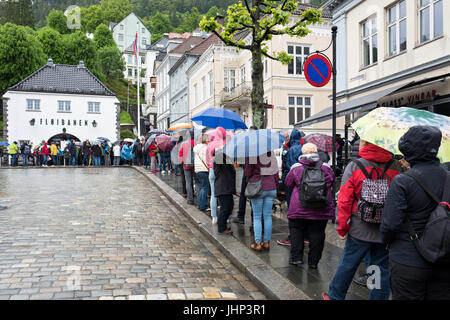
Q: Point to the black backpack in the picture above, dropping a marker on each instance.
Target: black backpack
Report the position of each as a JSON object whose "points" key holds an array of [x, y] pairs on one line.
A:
{"points": [[373, 194], [434, 244], [313, 191]]}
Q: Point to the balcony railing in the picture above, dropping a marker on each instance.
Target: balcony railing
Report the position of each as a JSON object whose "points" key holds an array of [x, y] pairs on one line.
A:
{"points": [[242, 90]]}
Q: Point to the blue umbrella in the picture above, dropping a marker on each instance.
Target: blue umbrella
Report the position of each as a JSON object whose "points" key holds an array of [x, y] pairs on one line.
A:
{"points": [[253, 143], [4, 143], [217, 117]]}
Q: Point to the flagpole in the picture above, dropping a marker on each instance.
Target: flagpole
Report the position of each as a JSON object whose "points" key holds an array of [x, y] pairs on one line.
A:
{"points": [[138, 85]]}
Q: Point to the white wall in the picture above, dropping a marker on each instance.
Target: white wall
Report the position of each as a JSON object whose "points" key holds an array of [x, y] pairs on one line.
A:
{"points": [[19, 127]]}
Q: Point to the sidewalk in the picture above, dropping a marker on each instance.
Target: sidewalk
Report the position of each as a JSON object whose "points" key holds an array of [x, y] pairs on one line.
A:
{"points": [[309, 282]]}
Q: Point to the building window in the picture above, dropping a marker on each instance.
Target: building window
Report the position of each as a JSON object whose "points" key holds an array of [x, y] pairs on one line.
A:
{"points": [[265, 67], [121, 27], [229, 79], [144, 42], [204, 88], [130, 72], [130, 59], [243, 74], [431, 19], [211, 84], [195, 95], [120, 37], [143, 30], [94, 107], [396, 18], [143, 60], [299, 109], [64, 106], [33, 104], [369, 41], [298, 54]]}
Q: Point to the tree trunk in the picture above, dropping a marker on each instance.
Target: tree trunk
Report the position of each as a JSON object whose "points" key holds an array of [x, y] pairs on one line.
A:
{"points": [[257, 89]]}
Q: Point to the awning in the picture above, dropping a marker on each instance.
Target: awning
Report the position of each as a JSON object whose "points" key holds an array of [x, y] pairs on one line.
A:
{"points": [[361, 104]]}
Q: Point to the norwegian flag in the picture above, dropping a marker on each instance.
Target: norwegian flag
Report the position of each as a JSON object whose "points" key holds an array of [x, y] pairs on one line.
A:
{"points": [[135, 46]]}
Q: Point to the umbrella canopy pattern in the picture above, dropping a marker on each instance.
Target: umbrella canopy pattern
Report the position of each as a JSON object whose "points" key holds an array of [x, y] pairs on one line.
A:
{"points": [[178, 126], [385, 126], [253, 143], [322, 141], [217, 117], [164, 142]]}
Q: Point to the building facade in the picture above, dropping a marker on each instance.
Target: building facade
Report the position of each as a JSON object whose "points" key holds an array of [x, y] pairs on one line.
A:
{"points": [[391, 53], [60, 101]]}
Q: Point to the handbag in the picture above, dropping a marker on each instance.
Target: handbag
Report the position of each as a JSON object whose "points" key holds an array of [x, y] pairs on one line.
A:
{"points": [[253, 189]]}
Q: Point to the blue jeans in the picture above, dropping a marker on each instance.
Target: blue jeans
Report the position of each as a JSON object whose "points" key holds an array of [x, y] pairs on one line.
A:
{"points": [[354, 252], [96, 160], [13, 160], [44, 160], [54, 160], [86, 159], [165, 161], [116, 161], [159, 161], [73, 160], [25, 160], [203, 195], [213, 201], [262, 208], [146, 159]]}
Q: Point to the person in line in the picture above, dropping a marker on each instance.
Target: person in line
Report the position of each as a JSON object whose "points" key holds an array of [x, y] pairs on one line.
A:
{"points": [[73, 153], [153, 151], [66, 155], [294, 150], [265, 170], [202, 171], [126, 153], [60, 156], [305, 218], [86, 152], [116, 151], [45, 154], [240, 218], [1, 156], [26, 154], [187, 159], [106, 153], [362, 237], [411, 276], [13, 151], [53, 153], [96, 154], [224, 188], [137, 150], [146, 155], [217, 142]]}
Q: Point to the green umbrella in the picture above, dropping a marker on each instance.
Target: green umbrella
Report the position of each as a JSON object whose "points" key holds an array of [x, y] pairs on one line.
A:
{"points": [[385, 126]]}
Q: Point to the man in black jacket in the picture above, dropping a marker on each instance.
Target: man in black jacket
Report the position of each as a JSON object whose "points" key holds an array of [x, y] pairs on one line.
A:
{"points": [[412, 277]]}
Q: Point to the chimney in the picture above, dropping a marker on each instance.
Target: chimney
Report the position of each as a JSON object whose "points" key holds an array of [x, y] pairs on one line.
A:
{"points": [[220, 19], [81, 65], [50, 62]]}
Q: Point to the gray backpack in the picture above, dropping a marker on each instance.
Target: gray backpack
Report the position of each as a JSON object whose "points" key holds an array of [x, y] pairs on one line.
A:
{"points": [[434, 244]]}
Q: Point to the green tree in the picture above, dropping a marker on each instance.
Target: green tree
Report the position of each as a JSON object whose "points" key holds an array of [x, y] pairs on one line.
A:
{"points": [[158, 25], [91, 18], [262, 19], [19, 12], [116, 10], [191, 20], [213, 12], [20, 54], [103, 37], [58, 21], [112, 63], [78, 48], [52, 44]]}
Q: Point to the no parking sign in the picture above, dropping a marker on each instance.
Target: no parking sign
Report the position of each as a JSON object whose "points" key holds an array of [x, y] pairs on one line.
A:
{"points": [[317, 70]]}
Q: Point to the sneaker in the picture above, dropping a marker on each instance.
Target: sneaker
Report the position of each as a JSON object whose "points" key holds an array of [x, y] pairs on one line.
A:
{"points": [[285, 242], [296, 262], [360, 280], [214, 220], [237, 220], [306, 241], [312, 266], [325, 296], [163, 172], [190, 202]]}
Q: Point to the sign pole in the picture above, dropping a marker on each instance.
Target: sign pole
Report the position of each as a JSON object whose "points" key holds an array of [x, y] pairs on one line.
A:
{"points": [[333, 33], [138, 76]]}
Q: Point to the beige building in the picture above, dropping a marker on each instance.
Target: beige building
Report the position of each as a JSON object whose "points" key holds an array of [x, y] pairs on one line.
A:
{"points": [[221, 77], [390, 53]]}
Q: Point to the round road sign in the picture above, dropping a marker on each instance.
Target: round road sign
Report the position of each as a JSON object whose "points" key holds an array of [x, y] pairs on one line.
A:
{"points": [[317, 70]]}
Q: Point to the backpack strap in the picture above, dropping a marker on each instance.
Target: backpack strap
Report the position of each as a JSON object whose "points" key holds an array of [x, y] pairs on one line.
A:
{"points": [[386, 167], [418, 180], [363, 169]]}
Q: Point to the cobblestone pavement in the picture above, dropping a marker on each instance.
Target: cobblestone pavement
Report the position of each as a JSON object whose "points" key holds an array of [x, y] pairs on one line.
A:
{"points": [[104, 233]]}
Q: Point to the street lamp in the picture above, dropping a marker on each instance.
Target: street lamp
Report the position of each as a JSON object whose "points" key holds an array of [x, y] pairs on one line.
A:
{"points": [[94, 123], [32, 121]]}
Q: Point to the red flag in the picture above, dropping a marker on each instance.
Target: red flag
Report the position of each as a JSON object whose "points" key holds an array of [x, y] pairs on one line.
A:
{"points": [[135, 45]]}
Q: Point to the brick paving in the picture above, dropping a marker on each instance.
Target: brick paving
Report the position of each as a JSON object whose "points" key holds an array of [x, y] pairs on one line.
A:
{"points": [[104, 233]]}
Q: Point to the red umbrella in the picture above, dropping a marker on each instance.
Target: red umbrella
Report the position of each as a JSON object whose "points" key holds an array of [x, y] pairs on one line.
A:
{"points": [[322, 141], [164, 142]]}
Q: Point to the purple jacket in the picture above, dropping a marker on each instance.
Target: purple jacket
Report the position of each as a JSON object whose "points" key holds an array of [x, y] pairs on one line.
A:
{"points": [[253, 174], [293, 180]]}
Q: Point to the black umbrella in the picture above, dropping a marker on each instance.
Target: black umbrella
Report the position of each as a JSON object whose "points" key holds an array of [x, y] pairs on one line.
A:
{"points": [[157, 132]]}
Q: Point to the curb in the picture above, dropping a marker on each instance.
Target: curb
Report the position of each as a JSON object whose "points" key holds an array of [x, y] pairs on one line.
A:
{"points": [[270, 282]]}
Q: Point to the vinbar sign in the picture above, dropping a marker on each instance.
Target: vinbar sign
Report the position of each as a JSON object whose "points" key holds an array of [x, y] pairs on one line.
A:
{"points": [[317, 70]]}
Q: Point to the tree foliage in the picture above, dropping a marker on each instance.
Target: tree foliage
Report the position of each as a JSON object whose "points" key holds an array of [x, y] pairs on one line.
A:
{"points": [[52, 44], [19, 12], [112, 63], [57, 21], [116, 10], [262, 19], [103, 37], [20, 54]]}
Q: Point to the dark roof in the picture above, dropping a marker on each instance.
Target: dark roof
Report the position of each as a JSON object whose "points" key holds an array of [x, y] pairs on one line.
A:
{"points": [[187, 44], [159, 45], [60, 78], [204, 45], [161, 56], [326, 13]]}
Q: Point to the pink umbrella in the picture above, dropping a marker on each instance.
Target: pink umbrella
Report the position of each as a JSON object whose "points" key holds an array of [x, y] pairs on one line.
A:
{"points": [[164, 142]]}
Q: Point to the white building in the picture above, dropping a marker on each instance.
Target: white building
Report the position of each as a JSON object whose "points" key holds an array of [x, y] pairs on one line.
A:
{"points": [[60, 101]]}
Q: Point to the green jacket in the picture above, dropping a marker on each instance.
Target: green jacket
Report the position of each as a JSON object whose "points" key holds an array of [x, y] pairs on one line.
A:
{"points": [[13, 148]]}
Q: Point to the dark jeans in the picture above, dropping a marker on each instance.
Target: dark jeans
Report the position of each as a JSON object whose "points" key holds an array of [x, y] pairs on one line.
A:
{"points": [[13, 160], [354, 252], [146, 159], [226, 208], [44, 160], [86, 159], [165, 161], [189, 176], [315, 229], [25, 160], [183, 179], [242, 199], [73, 160], [411, 283], [203, 194], [54, 160]]}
